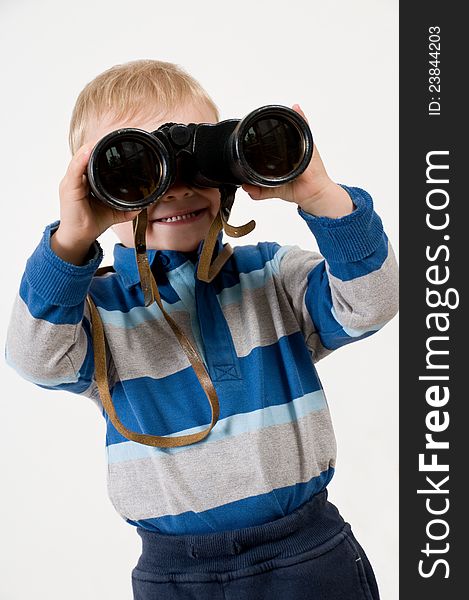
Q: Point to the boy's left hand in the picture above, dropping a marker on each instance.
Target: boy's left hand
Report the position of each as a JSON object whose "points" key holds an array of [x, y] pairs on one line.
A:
{"points": [[313, 190]]}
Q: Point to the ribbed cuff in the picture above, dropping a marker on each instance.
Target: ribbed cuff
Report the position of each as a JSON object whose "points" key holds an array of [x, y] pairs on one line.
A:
{"points": [[349, 238], [58, 282]]}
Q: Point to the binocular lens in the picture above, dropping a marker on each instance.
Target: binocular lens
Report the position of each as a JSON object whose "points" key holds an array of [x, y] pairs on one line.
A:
{"points": [[129, 170], [273, 147]]}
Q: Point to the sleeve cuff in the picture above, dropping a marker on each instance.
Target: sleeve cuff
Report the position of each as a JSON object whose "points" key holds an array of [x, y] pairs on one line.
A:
{"points": [[58, 282], [349, 238]]}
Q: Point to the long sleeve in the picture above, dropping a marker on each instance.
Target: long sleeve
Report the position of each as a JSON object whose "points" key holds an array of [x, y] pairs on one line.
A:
{"points": [[350, 290], [49, 339]]}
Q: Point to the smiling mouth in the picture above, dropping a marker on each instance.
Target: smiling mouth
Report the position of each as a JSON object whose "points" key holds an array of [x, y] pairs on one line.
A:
{"points": [[187, 218]]}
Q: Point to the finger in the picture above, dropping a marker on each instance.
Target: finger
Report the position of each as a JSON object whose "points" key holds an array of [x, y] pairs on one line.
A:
{"points": [[77, 167], [106, 211], [256, 192], [297, 108], [122, 216], [130, 216]]}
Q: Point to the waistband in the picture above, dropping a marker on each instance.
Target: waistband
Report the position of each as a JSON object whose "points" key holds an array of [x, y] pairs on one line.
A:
{"points": [[309, 526]]}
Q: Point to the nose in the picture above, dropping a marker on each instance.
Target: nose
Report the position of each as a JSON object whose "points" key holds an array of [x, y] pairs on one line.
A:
{"points": [[177, 191]]}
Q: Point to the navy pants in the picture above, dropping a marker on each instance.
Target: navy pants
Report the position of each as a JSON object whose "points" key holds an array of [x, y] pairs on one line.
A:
{"points": [[311, 554]]}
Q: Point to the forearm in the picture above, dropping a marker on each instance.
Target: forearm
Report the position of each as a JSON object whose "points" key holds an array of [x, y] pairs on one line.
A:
{"points": [[349, 291], [360, 265], [48, 339], [332, 201], [75, 253]]}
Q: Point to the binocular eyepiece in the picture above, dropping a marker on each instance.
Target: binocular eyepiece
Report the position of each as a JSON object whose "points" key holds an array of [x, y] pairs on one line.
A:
{"points": [[129, 169]]}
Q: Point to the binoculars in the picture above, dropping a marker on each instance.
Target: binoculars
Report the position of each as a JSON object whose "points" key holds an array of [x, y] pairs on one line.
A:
{"points": [[129, 169]]}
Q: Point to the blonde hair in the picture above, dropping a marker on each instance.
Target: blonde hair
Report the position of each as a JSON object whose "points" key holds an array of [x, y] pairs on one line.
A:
{"points": [[130, 89]]}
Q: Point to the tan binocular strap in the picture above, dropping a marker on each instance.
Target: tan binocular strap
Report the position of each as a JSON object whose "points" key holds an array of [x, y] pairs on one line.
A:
{"points": [[206, 272]]}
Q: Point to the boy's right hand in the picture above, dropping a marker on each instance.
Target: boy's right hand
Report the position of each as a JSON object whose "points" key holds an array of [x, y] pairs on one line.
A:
{"points": [[82, 218]]}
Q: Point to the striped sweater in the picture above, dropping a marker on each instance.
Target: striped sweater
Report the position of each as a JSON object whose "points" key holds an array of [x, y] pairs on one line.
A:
{"points": [[260, 326]]}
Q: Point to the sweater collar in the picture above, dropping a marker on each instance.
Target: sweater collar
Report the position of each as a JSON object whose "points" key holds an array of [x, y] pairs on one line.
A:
{"points": [[125, 262]]}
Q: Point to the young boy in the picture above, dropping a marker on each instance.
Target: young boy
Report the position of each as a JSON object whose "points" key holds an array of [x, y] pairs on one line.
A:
{"points": [[242, 514]]}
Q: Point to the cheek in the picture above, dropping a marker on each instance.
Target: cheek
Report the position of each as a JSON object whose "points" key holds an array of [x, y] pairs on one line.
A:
{"points": [[215, 202], [124, 232]]}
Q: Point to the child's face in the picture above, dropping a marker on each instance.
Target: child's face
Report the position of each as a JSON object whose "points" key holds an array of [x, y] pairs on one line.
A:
{"points": [[184, 234]]}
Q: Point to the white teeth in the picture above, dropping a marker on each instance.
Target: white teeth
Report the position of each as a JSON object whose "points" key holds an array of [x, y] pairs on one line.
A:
{"points": [[178, 217]]}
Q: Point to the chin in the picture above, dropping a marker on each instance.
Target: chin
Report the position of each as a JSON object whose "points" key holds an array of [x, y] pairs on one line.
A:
{"points": [[179, 246]]}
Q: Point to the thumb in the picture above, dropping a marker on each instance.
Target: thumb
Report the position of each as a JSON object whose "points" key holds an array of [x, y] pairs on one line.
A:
{"points": [[297, 108]]}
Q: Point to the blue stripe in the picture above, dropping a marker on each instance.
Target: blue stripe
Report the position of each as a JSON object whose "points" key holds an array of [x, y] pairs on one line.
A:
{"points": [[39, 309], [270, 375], [254, 257], [228, 427], [352, 270], [252, 280], [109, 294], [176, 295], [138, 315], [350, 238], [182, 280], [318, 301], [77, 388], [358, 333], [249, 512], [245, 261], [222, 361]]}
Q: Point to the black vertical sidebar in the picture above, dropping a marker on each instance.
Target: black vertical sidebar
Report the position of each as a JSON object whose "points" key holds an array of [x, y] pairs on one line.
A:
{"points": [[434, 320]]}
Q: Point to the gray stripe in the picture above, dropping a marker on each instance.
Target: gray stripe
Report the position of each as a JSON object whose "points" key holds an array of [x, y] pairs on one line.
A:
{"points": [[367, 301], [210, 475], [360, 303], [262, 318], [150, 349], [44, 352], [295, 266]]}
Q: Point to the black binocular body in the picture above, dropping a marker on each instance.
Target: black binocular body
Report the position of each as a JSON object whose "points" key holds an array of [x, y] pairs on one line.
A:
{"points": [[129, 169]]}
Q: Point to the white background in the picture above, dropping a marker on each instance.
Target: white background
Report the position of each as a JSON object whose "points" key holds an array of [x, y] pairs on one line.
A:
{"points": [[61, 537]]}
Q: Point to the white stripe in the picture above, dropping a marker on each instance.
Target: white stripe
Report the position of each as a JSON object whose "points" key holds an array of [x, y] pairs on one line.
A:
{"points": [[229, 427]]}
